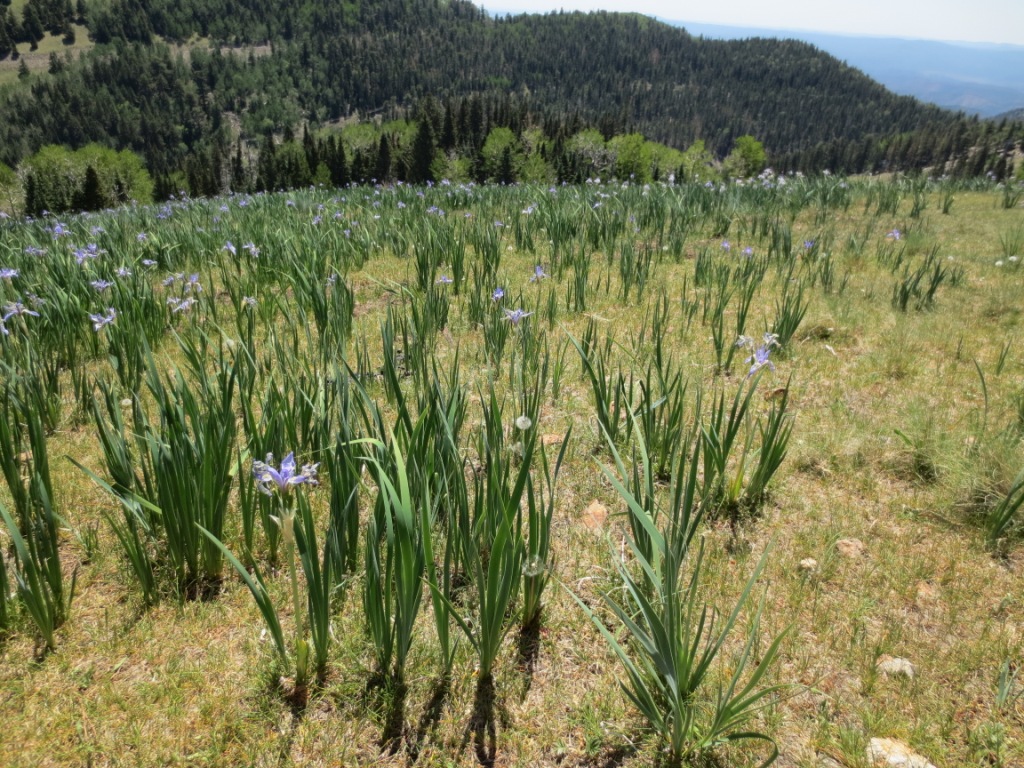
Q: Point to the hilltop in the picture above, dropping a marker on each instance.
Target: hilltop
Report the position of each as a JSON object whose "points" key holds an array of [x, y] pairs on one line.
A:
{"points": [[323, 62]]}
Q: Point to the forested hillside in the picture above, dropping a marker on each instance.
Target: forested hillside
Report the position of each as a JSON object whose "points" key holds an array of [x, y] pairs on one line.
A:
{"points": [[261, 67]]}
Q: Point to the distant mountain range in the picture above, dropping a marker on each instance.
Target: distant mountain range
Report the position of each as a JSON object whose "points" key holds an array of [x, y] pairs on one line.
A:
{"points": [[976, 78]]}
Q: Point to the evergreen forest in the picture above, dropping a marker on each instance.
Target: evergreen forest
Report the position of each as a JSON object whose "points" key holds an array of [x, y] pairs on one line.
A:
{"points": [[242, 95]]}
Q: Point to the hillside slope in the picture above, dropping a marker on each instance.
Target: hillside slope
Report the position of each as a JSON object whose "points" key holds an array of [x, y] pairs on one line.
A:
{"points": [[328, 61]]}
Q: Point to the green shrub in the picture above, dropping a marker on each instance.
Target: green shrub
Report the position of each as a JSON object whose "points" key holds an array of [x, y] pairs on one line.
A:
{"points": [[57, 179]]}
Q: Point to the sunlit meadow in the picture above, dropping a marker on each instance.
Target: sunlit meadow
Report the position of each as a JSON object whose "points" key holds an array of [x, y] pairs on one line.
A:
{"points": [[582, 476]]}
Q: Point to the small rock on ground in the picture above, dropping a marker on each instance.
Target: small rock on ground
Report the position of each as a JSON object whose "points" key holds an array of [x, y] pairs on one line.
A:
{"points": [[826, 761], [851, 548], [893, 666], [889, 752], [594, 515]]}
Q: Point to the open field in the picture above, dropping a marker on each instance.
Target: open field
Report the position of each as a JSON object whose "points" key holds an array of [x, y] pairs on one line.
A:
{"points": [[363, 329], [39, 59]]}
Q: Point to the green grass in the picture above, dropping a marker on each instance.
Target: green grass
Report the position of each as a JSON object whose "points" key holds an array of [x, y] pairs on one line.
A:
{"points": [[196, 682]]}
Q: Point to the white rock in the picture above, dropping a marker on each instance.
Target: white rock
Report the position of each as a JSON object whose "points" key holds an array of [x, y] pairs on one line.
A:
{"points": [[893, 666], [809, 565], [883, 752]]}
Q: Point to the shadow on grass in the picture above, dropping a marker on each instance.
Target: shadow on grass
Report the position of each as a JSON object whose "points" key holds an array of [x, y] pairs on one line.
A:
{"points": [[527, 651], [482, 729], [606, 758], [386, 695], [202, 590], [296, 699], [431, 715]]}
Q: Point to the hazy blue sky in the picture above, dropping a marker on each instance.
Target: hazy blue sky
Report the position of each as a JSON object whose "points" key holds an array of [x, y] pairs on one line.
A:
{"points": [[987, 21]]}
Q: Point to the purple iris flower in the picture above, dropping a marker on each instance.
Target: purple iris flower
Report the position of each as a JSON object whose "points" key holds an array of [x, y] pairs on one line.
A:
{"points": [[7, 273], [498, 295], [17, 308], [445, 280], [98, 321], [284, 479], [515, 315], [230, 248], [101, 285], [760, 359], [91, 251], [538, 274]]}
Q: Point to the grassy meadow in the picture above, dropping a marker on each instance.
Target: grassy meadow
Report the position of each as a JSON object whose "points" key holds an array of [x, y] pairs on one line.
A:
{"points": [[583, 476]]}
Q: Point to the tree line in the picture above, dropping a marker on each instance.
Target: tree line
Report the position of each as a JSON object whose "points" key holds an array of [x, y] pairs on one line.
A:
{"points": [[217, 106]]}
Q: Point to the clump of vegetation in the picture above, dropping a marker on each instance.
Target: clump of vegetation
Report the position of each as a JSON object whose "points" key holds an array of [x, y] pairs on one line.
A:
{"points": [[89, 179]]}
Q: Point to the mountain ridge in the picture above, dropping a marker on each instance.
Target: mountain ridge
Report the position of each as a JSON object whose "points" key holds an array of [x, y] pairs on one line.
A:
{"points": [[981, 78], [563, 72]]}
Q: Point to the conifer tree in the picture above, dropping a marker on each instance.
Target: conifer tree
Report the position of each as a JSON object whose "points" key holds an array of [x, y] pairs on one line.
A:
{"points": [[422, 154], [31, 26], [382, 172], [6, 43]]}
